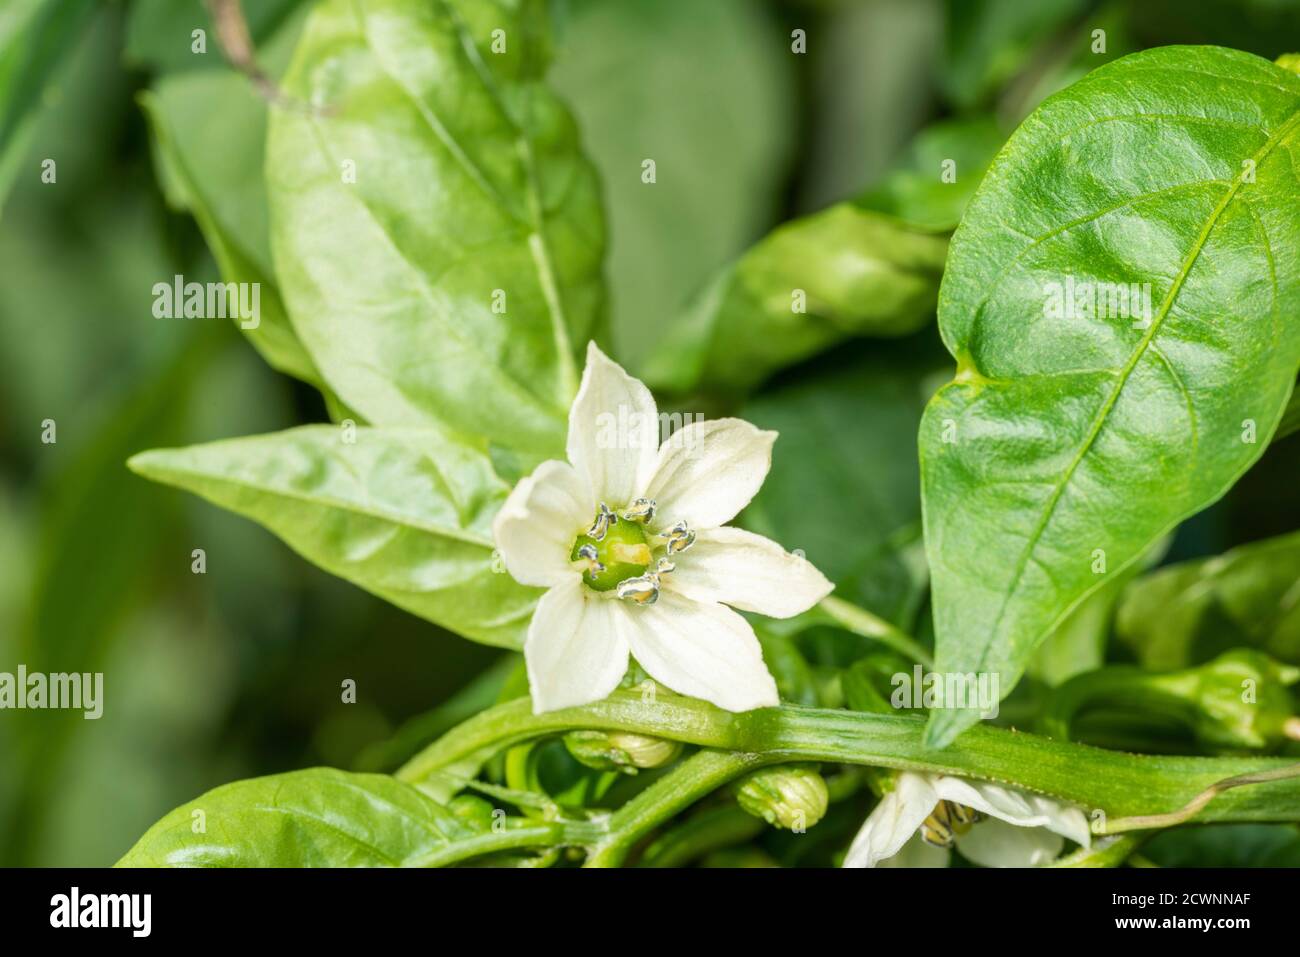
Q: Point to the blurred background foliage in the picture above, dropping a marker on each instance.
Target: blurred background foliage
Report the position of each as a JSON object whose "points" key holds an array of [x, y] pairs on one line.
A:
{"points": [[237, 672]]}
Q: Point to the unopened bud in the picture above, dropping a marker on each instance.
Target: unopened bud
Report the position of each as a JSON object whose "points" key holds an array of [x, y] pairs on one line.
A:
{"points": [[472, 810], [620, 750], [1242, 700], [792, 796]]}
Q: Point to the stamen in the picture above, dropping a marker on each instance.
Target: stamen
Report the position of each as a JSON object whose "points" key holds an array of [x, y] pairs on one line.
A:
{"points": [[678, 538], [604, 519], [640, 511], [937, 829], [642, 590], [594, 565]]}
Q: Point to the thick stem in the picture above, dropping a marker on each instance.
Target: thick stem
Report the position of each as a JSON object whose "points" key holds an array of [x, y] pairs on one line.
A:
{"points": [[1115, 783]]}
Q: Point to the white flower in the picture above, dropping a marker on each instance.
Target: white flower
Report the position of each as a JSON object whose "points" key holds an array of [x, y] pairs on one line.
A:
{"points": [[1021, 829], [627, 537]]}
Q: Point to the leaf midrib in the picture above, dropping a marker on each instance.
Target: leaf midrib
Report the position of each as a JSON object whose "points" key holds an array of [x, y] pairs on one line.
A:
{"points": [[1099, 420]]}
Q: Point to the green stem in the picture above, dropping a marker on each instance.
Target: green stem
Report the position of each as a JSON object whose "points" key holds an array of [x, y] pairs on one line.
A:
{"points": [[1170, 695], [1115, 783], [522, 835], [862, 622], [697, 776], [710, 830]]}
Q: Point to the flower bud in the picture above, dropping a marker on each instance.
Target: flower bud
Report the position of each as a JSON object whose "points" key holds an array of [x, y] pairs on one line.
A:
{"points": [[620, 750], [472, 810], [1242, 700], [792, 796]]}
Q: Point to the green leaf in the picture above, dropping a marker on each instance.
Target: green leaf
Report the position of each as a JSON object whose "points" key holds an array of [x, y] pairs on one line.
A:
{"points": [[319, 817], [720, 100], [1078, 643], [916, 190], [845, 495], [209, 130], [810, 284], [1227, 845], [990, 41], [405, 514], [159, 33], [209, 143], [468, 180], [35, 37], [1190, 612], [1067, 445]]}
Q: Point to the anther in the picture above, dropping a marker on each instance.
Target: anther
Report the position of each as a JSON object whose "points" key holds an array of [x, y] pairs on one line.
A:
{"points": [[678, 538], [604, 519], [592, 556], [640, 511], [642, 590]]}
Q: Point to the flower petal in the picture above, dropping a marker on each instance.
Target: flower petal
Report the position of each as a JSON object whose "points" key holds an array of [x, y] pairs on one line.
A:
{"points": [[537, 525], [1020, 808], [613, 430], [748, 572], [574, 652], [918, 852], [708, 471], [995, 843], [893, 821], [701, 649]]}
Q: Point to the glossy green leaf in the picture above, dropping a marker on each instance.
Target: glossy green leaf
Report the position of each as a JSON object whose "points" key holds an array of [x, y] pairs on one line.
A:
{"points": [[430, 180], [810, 284], [1190, 612], [405, 514], [1071, 440], [319, 817]]}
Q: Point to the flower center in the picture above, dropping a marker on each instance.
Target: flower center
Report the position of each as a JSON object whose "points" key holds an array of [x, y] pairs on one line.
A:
{"points": [[621, 552], [618, 554]]}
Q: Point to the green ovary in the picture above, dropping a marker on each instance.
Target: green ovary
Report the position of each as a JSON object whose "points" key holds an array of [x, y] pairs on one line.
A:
{"points": [[623, 551]]}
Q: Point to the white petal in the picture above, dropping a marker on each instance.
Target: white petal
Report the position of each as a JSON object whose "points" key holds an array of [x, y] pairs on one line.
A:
{"points": [[893, 821], [995, 843], [574, 652], [613, 430], [701, 649], [708, 471], [748, 572], [1020, 808], [537, 525], [918, 853]]}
